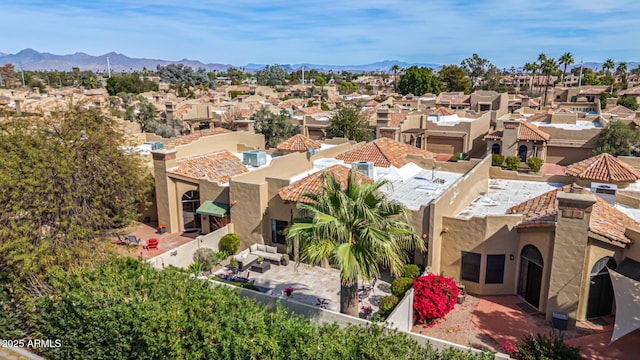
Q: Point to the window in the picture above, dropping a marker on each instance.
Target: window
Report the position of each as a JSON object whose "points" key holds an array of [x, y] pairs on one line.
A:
{"points": [[278, 234], [470, 266], [495, 269]]}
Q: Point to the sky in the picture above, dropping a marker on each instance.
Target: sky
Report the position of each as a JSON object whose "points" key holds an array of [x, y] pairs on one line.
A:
{"points": [[506, 32]]}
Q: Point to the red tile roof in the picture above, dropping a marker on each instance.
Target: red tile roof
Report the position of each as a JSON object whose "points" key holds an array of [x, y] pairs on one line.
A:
{"points": [[605, 219], [526, 131], [194, 136], [383, 152], [310, 110], [453, 99], [619, 110], [442, 111], [217, 166], [372, 103], [541, 115], [603, 167], [314, 183], [298, 142]]}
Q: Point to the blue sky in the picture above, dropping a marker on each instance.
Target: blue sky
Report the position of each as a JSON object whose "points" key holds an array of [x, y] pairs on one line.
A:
{"points": [[507, 32]]}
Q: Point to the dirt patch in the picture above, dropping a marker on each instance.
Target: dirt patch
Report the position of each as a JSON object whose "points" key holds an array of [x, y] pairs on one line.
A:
{"points": [[458, 328]]}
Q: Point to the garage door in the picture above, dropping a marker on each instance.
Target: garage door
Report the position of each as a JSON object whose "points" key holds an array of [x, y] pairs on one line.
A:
{"points": [[444, 145]]}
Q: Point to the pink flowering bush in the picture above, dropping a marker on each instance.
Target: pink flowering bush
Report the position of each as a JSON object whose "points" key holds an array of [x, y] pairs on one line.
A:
{"points": [[434, 296]]}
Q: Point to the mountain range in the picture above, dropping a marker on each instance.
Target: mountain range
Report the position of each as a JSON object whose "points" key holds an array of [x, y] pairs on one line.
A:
{"points": [[30, 59]]}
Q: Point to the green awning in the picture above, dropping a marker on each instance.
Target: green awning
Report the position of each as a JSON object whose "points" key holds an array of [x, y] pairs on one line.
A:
{"points": [[214, 208]]}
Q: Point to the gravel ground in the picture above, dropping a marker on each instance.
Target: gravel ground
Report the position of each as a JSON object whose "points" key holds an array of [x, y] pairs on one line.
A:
{"points": [[458, 328]]}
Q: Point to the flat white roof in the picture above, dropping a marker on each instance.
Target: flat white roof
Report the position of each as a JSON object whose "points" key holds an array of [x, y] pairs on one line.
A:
{"points": [[447, 120], [579, 125], [504, 194], [421, 188], [629, 211]]}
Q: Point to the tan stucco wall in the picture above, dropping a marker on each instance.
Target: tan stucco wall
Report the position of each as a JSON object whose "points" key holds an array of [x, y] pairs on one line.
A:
{"points": [[490, 235], [567, 155], [247, 213], [450, 203], [499, 173]]}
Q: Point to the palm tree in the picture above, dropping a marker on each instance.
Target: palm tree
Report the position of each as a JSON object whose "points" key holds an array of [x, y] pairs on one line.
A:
{"points": [[530, 67], [395, 69], [549, 67], [608, 65], [357, 229], [566, 59], [622, 71]]}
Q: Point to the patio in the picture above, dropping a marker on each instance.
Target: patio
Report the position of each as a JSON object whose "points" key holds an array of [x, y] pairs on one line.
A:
{"points": [[145, 232], [313, 283]]}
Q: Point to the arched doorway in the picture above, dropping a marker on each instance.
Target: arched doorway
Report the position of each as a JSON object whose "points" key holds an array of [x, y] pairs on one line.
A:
{"points": [[495, 148], [600, 288], [522, 153], [190, 203], [530, 279]]}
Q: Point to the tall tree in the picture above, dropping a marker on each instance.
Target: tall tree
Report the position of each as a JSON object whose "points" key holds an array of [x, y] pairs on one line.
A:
{"points": [[530, 67], [271, 75], [357, 229], [64, 180], [418, 81], [549, 67], [565, 60], [477, 69], [453, 78], [274, 127], [395, 68], [608, 65], [348, 122], [618, 139], [622, 71]]}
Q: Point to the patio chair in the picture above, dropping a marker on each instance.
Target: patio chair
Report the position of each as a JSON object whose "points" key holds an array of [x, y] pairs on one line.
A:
{"points": [[152, 244], [132, 240]]}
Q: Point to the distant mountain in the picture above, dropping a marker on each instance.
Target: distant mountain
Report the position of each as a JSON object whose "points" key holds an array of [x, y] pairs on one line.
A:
{"points": [[31, 59]]}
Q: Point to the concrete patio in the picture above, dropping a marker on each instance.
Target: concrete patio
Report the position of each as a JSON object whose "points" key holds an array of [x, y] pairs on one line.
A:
{"points": [[311, 283], [145, 232]]}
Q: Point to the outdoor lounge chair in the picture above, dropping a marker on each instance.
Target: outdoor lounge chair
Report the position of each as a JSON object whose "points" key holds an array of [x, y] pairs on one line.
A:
{"points": [[152, 244], [132, 240]]}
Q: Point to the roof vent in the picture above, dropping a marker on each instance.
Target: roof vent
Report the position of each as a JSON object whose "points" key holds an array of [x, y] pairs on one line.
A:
{"points": [[365, 167], [254, 158]]}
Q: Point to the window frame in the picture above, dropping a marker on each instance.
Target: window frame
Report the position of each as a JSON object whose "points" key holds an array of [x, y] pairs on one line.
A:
{"points": [[277, 238], [475, 264], [491, 269]]}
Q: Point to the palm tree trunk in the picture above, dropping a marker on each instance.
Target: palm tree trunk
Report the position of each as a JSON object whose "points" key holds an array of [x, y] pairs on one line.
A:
{"points": [[349, 299], [564, 73]]}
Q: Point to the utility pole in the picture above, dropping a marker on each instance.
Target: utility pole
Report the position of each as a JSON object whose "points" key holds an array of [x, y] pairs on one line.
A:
{"points": [[303, 75], [580, 78], [108, 68], [22, 72]]}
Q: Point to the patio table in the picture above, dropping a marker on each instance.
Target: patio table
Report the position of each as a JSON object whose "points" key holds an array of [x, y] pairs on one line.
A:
{"points": [[261, 267]]}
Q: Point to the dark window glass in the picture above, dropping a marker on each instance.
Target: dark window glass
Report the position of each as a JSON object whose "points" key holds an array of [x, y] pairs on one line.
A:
{"points": [[495, 269], [278, 234], [470, 266]]}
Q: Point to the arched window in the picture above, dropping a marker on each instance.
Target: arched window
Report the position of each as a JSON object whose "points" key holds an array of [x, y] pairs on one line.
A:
{"points": [[495, 148], [532, 254]]}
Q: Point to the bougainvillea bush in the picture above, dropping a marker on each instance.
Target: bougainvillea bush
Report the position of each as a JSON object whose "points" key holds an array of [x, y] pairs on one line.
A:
{"points": [[434, 296]]}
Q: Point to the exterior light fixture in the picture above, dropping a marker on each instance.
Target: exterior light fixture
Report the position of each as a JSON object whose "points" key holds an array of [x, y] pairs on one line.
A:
{"points": [[511, 257]]}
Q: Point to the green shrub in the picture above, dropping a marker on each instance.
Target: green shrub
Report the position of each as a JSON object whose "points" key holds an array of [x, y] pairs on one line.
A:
{"points": [[219, 256], [541, 346], [453, 159], [206, 257], [230, 243], [534, 163], [195, 268], [460, 155], [387, 304], [497, 160], [512, 162], [400, 286], [411, 271]]}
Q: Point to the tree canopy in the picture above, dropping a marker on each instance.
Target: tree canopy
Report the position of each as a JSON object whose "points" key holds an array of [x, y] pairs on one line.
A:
{"points": [[131, 83], [63, 180], [179, 73], [618, 139], [418, 81], [348, 122], [271, 75], [274, 127], [478, 69], [453, 78]]}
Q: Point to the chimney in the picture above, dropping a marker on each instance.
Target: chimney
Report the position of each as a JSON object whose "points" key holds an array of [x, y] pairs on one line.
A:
{"points": [[245, 125], [611, 102], [19, 103], [169, 111], [164, 160], [570, 248], [316, 104]]}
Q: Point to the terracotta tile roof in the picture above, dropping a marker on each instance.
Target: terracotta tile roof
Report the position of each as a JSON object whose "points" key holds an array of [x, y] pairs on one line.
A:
{"points": [[217, 166], [453, 99], [494, 134], [298, 142], [442, 111], [605, 219], [528, 131], [372, 103], [632, 91], [193, 136], [287, 104], [533, 103], [603, 167], [620, 111], [563, 111], [383, 152], [540, 115], [310, 110], [591, 91], [395, 119], [313, 183]]}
